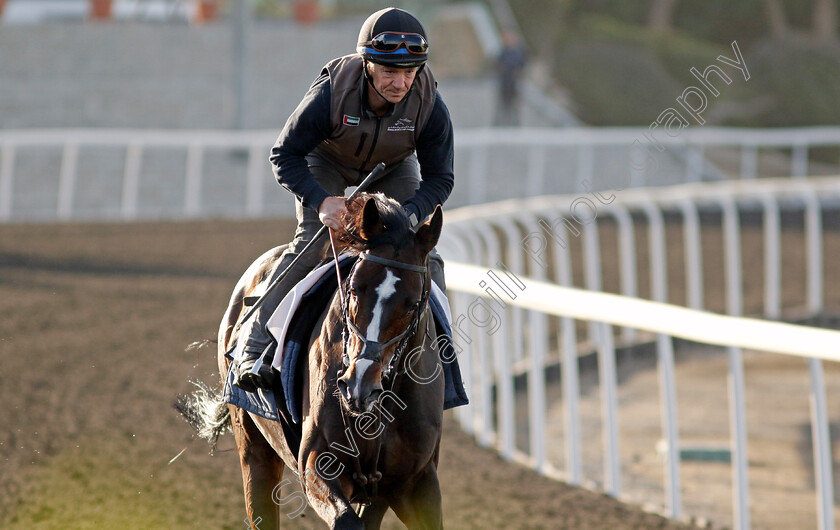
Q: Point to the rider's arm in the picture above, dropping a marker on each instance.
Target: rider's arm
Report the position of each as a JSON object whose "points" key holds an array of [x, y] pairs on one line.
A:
{"points": [[435, 154], [307, 127]]}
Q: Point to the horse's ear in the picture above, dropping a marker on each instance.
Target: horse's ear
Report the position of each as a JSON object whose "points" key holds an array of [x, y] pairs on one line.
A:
{"points": [[428, 234], [371, 222]]}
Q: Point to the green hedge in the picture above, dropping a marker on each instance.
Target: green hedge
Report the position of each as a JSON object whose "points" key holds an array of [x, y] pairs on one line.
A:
{"points": [[612, 84], [677, 52], [623, 74], [800, 81]]}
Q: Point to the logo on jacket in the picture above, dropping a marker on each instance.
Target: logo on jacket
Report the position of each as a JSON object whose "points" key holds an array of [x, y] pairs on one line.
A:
{"points": [[353, 121], [402, 124]]}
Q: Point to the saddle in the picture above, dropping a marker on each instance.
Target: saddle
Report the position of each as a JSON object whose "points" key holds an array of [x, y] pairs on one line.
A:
{"points": [[292, 325]]}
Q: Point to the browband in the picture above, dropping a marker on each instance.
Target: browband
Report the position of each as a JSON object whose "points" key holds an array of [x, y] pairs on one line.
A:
{"points": [[391, 263]]}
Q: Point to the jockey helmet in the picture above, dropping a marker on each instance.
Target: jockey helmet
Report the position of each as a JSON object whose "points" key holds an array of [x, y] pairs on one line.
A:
{"points": [[393, 37]]}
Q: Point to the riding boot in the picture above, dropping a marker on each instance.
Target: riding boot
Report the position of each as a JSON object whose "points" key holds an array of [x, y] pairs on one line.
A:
{"points": [[246, 378], [259, 344], [258, 340]]}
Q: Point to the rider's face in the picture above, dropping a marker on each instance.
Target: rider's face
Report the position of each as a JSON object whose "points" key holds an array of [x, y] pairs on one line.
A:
{"points": [[392, 83]]}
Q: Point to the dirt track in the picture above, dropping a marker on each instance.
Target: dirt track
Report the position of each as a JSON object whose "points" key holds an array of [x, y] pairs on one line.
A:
{"points": [[94, 320]]}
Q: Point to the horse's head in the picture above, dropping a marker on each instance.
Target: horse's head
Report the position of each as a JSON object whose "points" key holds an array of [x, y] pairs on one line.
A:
{"points": [[385, 295]]}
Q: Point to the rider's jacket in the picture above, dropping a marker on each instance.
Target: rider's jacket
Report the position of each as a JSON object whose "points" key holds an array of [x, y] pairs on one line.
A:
{"points": [[362, 143], [334, 122]]}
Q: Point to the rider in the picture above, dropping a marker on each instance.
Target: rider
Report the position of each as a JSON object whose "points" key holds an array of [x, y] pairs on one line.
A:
{"points": [[380, 104]]}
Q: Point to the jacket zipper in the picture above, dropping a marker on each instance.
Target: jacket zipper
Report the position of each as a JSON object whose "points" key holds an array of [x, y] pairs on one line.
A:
{"points": [[361, 144], [372, 145]]}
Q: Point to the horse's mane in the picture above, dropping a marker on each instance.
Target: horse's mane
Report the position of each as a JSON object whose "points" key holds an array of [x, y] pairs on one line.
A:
{"points": [[396, 227]]}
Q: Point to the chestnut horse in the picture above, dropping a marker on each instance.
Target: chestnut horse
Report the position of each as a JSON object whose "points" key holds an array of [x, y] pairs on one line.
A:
{"points": [[371, 425]]}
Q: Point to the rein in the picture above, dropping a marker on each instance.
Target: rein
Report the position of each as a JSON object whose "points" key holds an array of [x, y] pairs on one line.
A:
{"points": [[372, 350]]}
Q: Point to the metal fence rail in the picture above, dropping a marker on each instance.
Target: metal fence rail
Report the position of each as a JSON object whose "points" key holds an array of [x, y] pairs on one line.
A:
{"points": [[77, 174], [498, 239]]}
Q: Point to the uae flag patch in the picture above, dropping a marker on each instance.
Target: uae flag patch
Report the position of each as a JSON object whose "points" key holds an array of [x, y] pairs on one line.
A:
{"points": [[351, 120]]}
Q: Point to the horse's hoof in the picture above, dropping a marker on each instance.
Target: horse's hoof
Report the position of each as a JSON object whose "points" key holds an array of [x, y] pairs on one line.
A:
{"points": [[348, 521]]}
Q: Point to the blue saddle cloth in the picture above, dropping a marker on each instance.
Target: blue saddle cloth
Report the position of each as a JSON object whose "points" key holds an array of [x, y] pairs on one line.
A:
{"points": [[283, 402]]}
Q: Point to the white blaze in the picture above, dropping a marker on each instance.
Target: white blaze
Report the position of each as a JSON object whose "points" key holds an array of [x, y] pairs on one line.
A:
{"points": [[385, 290]]}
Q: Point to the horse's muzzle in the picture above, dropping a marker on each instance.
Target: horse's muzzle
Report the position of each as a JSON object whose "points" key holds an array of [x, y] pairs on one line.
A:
{"points": [[361, 385]]}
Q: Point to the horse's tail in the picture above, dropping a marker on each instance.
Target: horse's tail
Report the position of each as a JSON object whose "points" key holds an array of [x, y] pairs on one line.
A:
{"points": [[206, 411]]}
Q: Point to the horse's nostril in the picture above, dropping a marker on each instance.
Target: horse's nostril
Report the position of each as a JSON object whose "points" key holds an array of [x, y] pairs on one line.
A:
{"points": [[342, 387], [372, 399]]}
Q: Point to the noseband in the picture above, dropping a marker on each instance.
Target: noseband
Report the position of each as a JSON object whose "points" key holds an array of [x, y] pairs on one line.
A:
{"points": [[372, 350]]}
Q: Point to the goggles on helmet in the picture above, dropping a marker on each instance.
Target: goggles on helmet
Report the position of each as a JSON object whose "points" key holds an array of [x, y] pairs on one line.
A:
{"points": [[391, 41]]}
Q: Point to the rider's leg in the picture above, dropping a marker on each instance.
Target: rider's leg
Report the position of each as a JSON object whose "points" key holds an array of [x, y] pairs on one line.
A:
{"points": [[259, 339], [400, 183]]}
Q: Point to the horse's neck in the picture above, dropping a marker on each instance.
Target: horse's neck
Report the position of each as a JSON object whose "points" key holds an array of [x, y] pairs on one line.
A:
{"points": [[328, 335], [419, 340]]}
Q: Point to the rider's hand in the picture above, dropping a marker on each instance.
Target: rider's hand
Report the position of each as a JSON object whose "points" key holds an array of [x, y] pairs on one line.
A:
{"points": [[331, 211]]}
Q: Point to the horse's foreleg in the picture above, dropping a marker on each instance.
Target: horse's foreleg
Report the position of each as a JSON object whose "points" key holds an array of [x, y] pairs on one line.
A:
{"points": [[327, 493], [262, 471], [420, 507], [373, 514]]}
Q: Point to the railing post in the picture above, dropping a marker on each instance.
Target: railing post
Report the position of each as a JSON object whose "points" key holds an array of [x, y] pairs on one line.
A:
{"points": [[665, 359], [7, 175], [462, 333], [732, 256], [658, 263], [536, 170], [463, 337], [627, 259], [799, 162], [749, 162], [670, 424], [609, 409], [487, 239], [693, 254], [478, 174], [516, 264], [738, 432], [813, 239], [569, 360], [505, 409], [772, 257], [538, 342], [823, 465], [738, 416], [592, 267], [478, 368], [585, 164], [192, 184], [67, 181], [694, 169], [256, 163], [131, 181]]}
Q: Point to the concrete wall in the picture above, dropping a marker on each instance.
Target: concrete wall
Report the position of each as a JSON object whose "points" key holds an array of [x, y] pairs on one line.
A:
{"points": [[158, 75]]}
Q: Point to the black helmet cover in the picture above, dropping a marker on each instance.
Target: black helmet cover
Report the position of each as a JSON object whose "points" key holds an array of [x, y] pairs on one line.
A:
{"points": [[391, 20]]}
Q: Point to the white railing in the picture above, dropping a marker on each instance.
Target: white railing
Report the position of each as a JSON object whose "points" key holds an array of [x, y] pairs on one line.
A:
{"points": [[225, 173], [532, 237], [134, 174]]}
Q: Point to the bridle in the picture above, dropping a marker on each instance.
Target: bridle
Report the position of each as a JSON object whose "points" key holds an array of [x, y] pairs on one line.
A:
{"points": [[372, 350]]}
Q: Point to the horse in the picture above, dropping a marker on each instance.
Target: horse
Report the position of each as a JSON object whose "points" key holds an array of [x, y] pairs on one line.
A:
{"points": [[371, 415]]}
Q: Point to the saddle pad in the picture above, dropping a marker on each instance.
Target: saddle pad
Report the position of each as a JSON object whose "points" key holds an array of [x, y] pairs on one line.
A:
{"points": [[300, 311]]}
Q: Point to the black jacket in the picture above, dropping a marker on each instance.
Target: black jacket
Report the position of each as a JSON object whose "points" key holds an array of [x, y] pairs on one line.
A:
{"points": [[312, 123]]}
